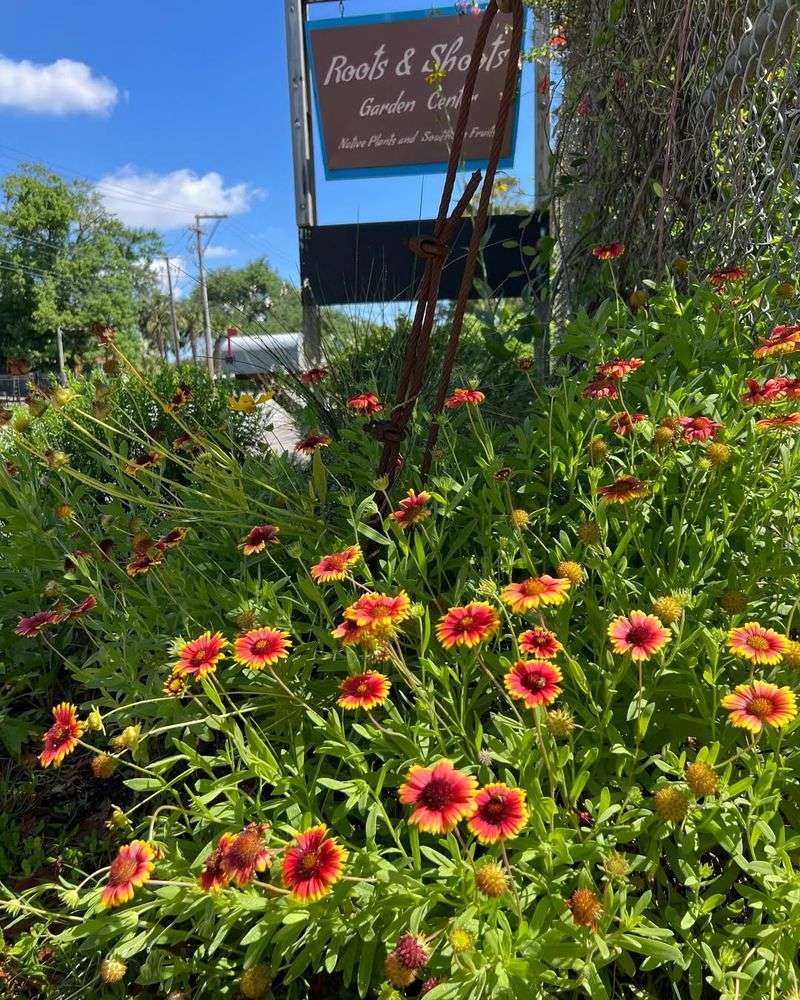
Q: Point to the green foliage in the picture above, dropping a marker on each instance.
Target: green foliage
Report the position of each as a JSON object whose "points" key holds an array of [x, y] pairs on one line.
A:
{"points": [[66, 263], [695, 907]]}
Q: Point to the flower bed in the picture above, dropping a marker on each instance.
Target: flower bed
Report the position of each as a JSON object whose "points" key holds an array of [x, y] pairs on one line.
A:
{"points": [[532, 734]]}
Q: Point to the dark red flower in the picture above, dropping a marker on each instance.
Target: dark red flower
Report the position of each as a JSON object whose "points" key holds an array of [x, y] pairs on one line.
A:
{"points": [[314, 376], [31, 626], [725, 275], [608, 251]]}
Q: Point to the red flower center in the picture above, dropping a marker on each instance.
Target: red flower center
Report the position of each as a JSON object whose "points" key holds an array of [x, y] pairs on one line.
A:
{"points": [[638, 635], [61, 732], [199, 657], [246, 848], [122, 869], [436, 794], [260, 646], [761, 708], [533, 682], [362, 688], [758, 642], [466, 623], [310, 861], [494, 807]]}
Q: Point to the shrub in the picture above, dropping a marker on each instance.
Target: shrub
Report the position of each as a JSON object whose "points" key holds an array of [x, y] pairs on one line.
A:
{"points": [[490, 749]]}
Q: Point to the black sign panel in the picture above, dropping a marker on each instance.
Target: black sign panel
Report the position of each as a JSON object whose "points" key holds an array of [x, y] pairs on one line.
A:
{"points": [[371, 262]]}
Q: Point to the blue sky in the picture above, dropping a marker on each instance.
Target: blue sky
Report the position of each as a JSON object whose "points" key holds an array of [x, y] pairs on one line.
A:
{"points": [[180, 107]]}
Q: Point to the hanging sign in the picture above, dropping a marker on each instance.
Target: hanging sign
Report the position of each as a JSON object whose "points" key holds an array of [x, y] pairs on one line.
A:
{"points": [[388, 89]]}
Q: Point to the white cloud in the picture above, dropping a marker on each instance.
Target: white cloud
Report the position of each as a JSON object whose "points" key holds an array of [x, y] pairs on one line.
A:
{"points": [[170, 201], [220, 252], [58, 88]]}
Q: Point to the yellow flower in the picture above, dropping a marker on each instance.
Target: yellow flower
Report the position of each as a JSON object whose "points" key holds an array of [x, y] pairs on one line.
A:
{"points": [[461, 940], [246, 402]]}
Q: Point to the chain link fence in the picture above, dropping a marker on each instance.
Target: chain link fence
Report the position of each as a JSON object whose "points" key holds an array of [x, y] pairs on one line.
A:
{"points": [[677, 127]]}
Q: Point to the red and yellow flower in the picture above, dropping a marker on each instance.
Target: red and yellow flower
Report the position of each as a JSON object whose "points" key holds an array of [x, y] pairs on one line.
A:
{"points": [[314, 376], [623, 490], [441, 796], [698, 428], [261, 647], [601, 388], [774, 390], [464, 397], [258, 538], [200, 656], [758, 704], [619, 368], [782, 340], [534, 681], [245, 854], [536, 591], [639, 634], [367, 690], [785, 422], [413, 509], [213, 875], [312, 864], [623, 423], [467, 625], [180, 397], [143, 562], [372, 620], [726, 275], [171, 539], [374, 611], [608, 251], [130, 869], [540, 643], [149, 461], [63, 736], [757, 644], [31, 626], [500, 813], [366, 403], [336, 565], [312, 442]]}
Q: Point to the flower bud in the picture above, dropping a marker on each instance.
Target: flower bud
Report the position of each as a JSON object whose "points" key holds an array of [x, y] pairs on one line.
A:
{"points": [[112, 970], [254, 982]]}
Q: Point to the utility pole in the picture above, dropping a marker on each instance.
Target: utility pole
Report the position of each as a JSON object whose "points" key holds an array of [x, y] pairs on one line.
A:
{"points": [[198, 232], [62, 373], [176, 343], [303, 160]]}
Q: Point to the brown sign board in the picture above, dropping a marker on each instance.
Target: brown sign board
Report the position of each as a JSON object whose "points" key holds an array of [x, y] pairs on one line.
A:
{"points": [[388, 89]]}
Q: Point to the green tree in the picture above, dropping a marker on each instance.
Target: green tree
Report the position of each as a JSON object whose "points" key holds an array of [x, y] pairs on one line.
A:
{"points": [[66, 262], [252, 298]]}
